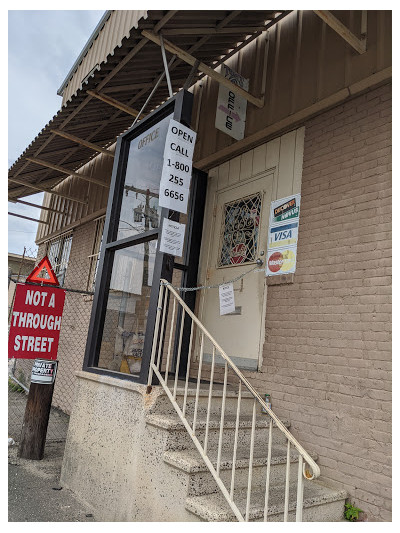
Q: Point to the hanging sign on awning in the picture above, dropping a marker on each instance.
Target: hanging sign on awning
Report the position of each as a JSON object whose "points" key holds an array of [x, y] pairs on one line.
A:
{"points": [[177, 168], [231, 108], [283, 235]]}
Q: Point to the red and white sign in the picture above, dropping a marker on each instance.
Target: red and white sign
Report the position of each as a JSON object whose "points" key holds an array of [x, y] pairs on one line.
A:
{"points": [[35, 322], [238, 254], [43, 273]]}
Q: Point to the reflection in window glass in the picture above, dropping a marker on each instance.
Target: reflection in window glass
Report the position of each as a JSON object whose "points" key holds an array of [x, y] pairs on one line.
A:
{"points": [[139, 209], [127, 307]]}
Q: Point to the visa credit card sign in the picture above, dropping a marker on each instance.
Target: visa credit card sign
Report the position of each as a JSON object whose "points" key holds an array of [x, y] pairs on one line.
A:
{"points": [[283, 235]]}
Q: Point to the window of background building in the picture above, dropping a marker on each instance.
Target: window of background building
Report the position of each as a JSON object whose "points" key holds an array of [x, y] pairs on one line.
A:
{"points": [[58, 251], [95, 253]]}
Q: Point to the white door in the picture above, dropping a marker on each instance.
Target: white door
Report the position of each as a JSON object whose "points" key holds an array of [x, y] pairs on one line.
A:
{"points": [[235, 236], [239, 239]]}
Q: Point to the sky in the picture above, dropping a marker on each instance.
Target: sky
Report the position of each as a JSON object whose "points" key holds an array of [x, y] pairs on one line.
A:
{"points": [[42, 47]]}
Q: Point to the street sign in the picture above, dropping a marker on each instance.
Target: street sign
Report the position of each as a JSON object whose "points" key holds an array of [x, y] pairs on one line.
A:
{"points": [[43, 273], [35, 322]]}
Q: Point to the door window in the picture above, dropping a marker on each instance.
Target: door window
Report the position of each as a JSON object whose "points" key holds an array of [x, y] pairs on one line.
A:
{"points": [[239, 232]]}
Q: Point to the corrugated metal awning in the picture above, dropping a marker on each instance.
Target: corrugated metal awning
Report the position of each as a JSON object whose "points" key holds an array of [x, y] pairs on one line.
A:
{"points": [[127, 76]]}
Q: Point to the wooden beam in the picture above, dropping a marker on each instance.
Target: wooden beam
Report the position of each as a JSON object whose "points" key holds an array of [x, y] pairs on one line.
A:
{"points": [[292, 121], [213, 31], [36, 205], [133, 87], [360, 45], [43, 189], [173, 49], [78, 140], [113, 102], [28, 218], [67, 171]]}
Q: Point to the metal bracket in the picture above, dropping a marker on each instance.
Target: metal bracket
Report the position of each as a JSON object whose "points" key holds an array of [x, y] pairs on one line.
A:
{"points": [[171, 94], [189, 80]]}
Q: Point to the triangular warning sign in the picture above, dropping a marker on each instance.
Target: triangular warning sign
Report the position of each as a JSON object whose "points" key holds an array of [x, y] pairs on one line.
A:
{"points": [[43, 273]]}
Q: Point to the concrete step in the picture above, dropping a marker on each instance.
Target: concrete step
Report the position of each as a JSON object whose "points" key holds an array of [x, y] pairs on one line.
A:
{"points": [[163, 405], [178, 437], [320, 504], [202, 481]]}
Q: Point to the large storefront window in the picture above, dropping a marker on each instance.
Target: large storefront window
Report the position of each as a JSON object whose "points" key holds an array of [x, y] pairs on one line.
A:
{"points": [[128, 301], [139, 208], [130, 266]]}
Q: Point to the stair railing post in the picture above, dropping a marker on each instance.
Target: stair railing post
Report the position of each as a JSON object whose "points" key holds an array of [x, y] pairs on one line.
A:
{"points": [[300, 491]]}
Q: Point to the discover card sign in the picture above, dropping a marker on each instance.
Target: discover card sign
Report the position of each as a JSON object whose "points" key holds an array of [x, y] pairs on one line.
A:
{"points": [[283, 235], [35, 322]]}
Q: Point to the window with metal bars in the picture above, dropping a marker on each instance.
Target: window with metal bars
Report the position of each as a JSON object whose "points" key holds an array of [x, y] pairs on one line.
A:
{"points": [[58, 251], [95, 254]]}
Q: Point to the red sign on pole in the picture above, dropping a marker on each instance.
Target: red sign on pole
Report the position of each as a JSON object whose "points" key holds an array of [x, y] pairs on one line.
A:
{"points": [[43, 273], [35, 322]]}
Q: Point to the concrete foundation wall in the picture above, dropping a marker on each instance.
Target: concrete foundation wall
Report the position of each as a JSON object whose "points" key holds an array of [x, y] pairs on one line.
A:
{"points": [[114, 461]]}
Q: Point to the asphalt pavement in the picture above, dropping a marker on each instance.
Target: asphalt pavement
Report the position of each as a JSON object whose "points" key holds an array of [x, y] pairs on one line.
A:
{"points": [[35, 493]]}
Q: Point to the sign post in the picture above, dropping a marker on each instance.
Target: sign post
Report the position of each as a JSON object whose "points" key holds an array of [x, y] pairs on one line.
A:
{"points": [[34, 333]]}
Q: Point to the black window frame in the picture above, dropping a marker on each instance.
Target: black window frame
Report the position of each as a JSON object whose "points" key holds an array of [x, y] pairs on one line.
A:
{"points": [[181, 108]]}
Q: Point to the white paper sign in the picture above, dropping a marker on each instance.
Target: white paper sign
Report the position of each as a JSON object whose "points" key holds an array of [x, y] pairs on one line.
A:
{"points": [[177, 168], [226, 299], [231, 108], [172, 237], [44, 371]]}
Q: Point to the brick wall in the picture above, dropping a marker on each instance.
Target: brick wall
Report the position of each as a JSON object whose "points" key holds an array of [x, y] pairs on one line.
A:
{"points": [[327, 355]]}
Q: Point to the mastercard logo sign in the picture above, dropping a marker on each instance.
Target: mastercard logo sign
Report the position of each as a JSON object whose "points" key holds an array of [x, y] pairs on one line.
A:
{"points": [[282, 261]]}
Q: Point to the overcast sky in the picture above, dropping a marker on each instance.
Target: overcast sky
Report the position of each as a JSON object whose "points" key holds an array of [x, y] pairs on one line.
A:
{"points": [[42, 47]]}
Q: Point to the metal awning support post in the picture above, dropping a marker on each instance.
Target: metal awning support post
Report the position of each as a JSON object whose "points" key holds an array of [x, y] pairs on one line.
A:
{"points": [[154, 89], [28, 218], [184, 56], [166, 66], [14, 201]]}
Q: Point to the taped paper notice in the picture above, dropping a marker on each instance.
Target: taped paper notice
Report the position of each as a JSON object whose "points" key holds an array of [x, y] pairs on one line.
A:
{"points": [[226, 299], [172, 237]]}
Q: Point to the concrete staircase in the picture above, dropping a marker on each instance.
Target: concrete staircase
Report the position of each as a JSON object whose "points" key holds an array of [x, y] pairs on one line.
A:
{"points": [[203, 499]]}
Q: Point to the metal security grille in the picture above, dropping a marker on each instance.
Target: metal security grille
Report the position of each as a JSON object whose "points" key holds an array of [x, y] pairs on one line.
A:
{"points": [[239, 232], [95, 255], [58, 251]]}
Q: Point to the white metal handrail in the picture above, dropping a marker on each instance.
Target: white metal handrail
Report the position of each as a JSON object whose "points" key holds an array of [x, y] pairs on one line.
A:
{"points": [[304, 459]]}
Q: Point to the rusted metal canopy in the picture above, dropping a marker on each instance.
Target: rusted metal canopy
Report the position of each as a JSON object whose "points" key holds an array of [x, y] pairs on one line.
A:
{"points": [[127, 77]]}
